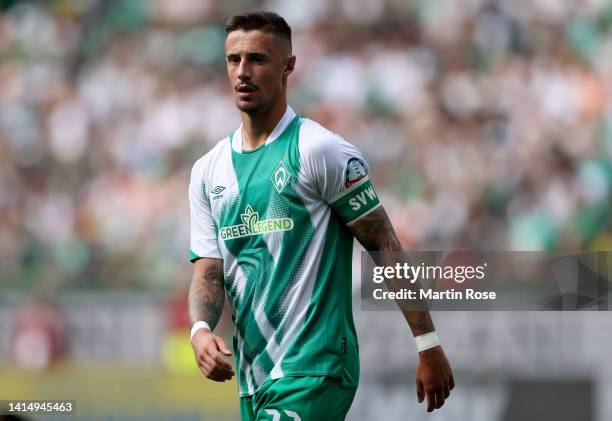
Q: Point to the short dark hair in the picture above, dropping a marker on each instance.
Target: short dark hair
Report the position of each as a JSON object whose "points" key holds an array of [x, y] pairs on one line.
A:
{"points": [[261, 21]]}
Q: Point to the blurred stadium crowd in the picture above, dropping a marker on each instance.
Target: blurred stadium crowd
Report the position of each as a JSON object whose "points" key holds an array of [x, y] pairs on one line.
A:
{"points": [[487, 124]]}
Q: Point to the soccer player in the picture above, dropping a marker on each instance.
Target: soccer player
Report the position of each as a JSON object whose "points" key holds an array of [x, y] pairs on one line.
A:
{"points": [[274, 209]]}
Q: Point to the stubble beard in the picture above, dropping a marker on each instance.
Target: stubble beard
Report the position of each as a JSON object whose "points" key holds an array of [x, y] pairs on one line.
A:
{"points": [[248, 107], [252, 107]]}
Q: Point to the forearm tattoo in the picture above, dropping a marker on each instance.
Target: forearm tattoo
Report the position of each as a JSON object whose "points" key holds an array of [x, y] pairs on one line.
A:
{"points": [[419, 321], [376, 234], [207, 294]]}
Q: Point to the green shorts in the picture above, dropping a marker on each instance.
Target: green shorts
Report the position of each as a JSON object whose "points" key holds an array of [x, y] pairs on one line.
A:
{"points": [[298, 399]]}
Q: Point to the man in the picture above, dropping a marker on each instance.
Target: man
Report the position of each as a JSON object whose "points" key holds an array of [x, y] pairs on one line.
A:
{"points": [[273, 215]]}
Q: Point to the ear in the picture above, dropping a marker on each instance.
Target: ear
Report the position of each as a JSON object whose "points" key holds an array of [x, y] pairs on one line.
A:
{"points": [[290, 65]]}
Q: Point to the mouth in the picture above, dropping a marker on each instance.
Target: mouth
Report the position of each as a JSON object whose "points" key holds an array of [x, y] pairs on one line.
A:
{"points": [[245, 91]]}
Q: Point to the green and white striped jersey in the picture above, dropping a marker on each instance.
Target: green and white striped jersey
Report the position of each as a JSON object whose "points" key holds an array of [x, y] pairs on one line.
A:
{"points": [[278, 218]]}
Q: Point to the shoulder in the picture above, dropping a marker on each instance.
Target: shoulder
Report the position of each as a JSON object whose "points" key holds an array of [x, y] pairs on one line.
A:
{"points": [[316, 140], [212, 157]]}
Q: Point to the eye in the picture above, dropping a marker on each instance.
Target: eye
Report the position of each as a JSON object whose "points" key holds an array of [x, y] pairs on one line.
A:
{"points": [[258, 58]]}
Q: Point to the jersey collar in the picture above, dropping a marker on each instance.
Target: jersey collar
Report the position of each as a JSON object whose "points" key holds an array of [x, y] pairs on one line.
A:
{"points": [[278, 130]]}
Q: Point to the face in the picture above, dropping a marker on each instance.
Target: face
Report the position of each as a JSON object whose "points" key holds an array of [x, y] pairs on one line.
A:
{"points": [[258, 64]]}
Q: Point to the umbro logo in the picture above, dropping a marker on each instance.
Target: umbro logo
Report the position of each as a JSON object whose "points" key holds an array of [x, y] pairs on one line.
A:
{"points": [[216, 191]]}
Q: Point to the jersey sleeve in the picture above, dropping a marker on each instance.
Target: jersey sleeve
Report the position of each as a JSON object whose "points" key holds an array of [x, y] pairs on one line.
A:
{"points": [[203, 239], [340, 174]]}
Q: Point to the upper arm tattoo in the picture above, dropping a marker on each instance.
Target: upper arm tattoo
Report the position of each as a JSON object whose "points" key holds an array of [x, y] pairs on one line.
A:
{"points": [[375, 233]]}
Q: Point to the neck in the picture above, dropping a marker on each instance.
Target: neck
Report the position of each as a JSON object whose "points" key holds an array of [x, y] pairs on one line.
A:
{"points": [[257, 127]]}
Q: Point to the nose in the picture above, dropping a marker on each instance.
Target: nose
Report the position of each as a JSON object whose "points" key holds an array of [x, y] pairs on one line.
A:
{"points": [[244, 70]]}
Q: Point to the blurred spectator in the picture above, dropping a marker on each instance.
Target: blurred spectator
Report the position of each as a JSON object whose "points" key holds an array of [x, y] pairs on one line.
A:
{"points": [[39, 335], [488, 124]]}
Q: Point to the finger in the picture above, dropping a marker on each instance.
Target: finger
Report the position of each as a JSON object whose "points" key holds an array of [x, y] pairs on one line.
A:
{"points": [[451, 382], [204, 372], [222, 365], [222, 347], [223, 362], [222, 373], [216, 377], [420, 391], [439, 400], [446, 390], [217, 357], [198, 359], [204, 364], [206, 358], [431, 401], [217, 369], [213, 373], [212, 350], [207, 367], [204, 369]]}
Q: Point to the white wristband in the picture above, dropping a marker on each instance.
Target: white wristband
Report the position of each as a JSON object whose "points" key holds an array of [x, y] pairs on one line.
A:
{"points": [[426, 341], [197, 326]]}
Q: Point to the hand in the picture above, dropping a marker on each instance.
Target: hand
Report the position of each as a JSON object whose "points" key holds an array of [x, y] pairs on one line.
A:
{"points": [[209, 350], [434, 377]]}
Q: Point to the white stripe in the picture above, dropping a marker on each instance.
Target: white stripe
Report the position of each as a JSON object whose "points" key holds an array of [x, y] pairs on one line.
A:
{"points": [[225, 175], [244, 366], [267, 331], [300, 295], [349, 190], [273, 241], [364, 214]]}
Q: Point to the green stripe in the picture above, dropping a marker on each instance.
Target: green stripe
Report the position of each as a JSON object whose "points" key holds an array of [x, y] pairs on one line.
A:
{"points": [[252, 253], [331, 308], [294, 244], [356, 202], [251, 265]]}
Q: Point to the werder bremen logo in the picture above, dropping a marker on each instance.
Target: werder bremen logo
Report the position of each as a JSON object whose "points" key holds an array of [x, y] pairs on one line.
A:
{"points": [[251, 225], [280, 177]]}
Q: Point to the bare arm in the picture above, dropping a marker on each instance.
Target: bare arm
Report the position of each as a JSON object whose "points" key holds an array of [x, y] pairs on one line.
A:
{"points": [[434, 376], [375, 233], [206, 292], [206, 299]]}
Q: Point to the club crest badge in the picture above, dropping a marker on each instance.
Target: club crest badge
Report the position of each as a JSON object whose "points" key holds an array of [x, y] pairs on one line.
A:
{"points": [[280, 177]]}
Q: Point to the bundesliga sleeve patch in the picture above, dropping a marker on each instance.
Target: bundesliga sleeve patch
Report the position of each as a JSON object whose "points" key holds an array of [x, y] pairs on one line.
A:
{"points": [[355, 170], [357, 201]]}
